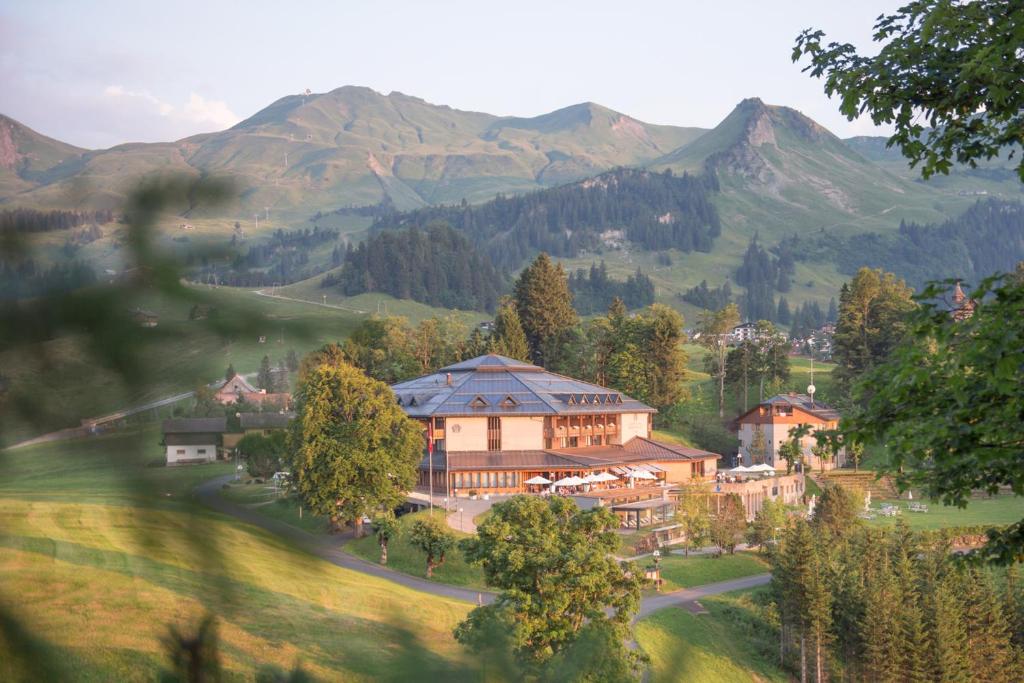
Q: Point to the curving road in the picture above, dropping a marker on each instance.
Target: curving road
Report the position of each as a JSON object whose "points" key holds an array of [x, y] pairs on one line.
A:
{"points": [[329, 548]]}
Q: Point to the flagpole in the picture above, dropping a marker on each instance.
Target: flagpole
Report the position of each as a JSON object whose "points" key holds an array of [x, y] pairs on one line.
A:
{"points": [[430, 460]]}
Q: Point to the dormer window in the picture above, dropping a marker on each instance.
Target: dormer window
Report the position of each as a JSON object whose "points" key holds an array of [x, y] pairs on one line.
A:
{"points": [[412, 402], [618, 398], [583, 400], [572, 399], [478, 402], [400, 401], [509, 402]]}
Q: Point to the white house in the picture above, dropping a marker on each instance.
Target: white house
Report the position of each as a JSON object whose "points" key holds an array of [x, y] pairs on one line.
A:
{"points": [[193, 440]]}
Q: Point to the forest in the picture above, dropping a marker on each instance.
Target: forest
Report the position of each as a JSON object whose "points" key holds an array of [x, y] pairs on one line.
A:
{"points": [[985, 239], [31, 220], [436, 266], [654, 211], [27, 279], [281, 260], [593, 291]]}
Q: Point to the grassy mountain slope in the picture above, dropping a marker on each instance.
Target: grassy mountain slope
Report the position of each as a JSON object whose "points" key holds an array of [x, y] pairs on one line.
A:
{"points": [[782, 173], [27, 157], [355, 146]]}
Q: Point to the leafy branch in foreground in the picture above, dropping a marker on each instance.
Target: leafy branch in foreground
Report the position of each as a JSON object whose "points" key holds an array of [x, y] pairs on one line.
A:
{"points": [[957, 65], [949, 403]]}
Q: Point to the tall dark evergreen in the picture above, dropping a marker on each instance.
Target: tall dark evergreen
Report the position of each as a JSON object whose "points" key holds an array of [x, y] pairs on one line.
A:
{"points": [[593, 290], [436, 266], [544, 302], [706, 298]]}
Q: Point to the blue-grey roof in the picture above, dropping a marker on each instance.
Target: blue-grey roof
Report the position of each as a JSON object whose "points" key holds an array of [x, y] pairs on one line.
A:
{"points": [[496, 385]]}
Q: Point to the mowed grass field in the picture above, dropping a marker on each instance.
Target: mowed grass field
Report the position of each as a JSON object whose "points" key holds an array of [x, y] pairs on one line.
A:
{"points": [[404, 557], [732, 643], [101, 553]]}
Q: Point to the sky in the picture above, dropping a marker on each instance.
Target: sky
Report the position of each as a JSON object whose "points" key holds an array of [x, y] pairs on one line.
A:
{"points": [[101, 73]]}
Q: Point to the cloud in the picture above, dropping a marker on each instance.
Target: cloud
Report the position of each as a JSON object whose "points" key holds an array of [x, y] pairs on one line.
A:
{"points": [[197, 112]]}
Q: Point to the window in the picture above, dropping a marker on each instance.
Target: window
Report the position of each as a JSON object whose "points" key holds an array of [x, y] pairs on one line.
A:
{"points": [[514, 476], [494, 433], [574, 441], [438, 423], [201, 451], [494, 480], [181, 451], [547, 443], [596, 440]]}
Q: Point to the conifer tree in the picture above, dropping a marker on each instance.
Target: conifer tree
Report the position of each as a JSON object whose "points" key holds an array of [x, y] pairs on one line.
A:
{"points": [[544, 303], [509, 339], [947, 641], [783, 315], [992, 655], [229, 373], [265, 379]]}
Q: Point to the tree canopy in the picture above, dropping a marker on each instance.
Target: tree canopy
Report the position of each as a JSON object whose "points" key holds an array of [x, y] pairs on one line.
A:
{"points": [[947, 403], [951, 65], [354, 450], [544, 303], [559, 582]]}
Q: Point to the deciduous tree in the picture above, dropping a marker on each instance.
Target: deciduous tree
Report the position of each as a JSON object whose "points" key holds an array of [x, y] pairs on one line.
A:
{"points": [[434, 539], [386, 528], [715, 328], [952, 66], [728, 523], [354, 450], [693, 515], [553, 564]]}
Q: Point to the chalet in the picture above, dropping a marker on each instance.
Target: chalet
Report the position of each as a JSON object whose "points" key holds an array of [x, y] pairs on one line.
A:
{"points": [[767, 426], [264, 423], [193, 440], [238, 389], [233, 389], [495, 423]]}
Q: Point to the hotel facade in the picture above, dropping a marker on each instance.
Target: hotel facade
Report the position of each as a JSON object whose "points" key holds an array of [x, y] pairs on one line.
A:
{"points": [[494, 423]]}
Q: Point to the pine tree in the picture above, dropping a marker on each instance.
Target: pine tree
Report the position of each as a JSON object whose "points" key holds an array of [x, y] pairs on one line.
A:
{"points": [[947, 642], [544, 303], [783, 316], [508, 338], [229, 373], [265, 379], [988, 631]]}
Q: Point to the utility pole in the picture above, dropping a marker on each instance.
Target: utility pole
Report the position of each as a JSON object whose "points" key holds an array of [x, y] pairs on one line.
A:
{"points": [[257, 222]]}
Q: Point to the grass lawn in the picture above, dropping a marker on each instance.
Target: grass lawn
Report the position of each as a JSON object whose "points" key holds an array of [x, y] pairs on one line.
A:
{"points": [[732, 643], [266, 501], [403, 557], [999, 510], [685, 572], [101, 553]]}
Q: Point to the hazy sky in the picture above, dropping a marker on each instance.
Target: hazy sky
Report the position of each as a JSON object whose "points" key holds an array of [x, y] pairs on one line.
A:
{"points": [[99, 73]]}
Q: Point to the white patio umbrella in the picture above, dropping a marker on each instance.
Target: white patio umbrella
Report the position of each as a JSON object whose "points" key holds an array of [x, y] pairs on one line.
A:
{"points": [[592, 478], [537, 480], [742, 469], [570, 481], [640, 474], [605, 476], [761, 468]]}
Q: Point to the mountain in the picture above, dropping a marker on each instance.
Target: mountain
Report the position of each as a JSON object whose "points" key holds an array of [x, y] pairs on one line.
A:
{"points": [[782, 172], [354, 146], [28, 158]]}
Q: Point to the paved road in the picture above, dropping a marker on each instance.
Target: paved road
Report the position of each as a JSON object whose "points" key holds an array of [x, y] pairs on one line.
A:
{"points": [[329, 548]]}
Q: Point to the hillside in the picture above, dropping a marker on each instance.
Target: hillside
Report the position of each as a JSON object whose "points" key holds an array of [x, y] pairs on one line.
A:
{"points": [[28, 158], [354, 146], [782, 173]]}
